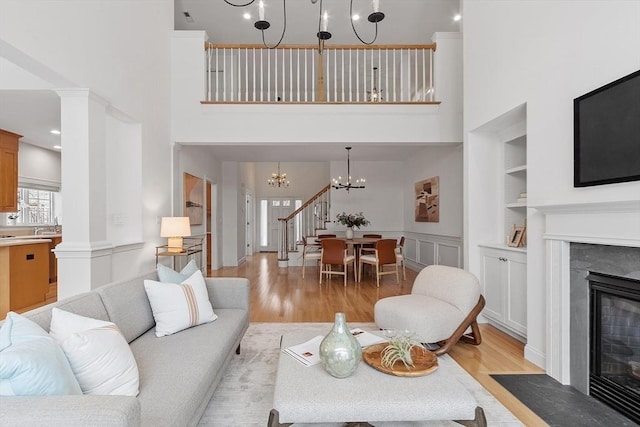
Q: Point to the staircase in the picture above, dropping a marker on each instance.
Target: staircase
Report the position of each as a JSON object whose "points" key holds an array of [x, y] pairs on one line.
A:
{"points": [[312, 216]]}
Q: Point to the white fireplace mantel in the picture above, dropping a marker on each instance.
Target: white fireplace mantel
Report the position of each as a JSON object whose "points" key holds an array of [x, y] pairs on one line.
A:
{"points": [[602, 223]]}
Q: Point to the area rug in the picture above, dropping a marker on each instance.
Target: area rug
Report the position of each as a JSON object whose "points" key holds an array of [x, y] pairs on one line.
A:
{"points": [[245, 395]]}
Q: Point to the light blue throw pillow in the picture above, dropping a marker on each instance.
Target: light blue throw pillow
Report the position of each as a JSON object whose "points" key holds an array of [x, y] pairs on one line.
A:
{"points": [[31, 362], [168, 275]]}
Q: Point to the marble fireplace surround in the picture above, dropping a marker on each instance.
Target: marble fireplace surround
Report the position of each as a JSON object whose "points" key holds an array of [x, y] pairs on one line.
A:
{"points": [[606, 223]]}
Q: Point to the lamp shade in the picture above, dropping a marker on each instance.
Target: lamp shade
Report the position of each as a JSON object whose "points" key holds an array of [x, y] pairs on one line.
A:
{"points": [[175, 226]]}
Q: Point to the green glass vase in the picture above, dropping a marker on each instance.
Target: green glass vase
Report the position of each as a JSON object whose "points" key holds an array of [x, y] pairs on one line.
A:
{"points": [[340, 351]]}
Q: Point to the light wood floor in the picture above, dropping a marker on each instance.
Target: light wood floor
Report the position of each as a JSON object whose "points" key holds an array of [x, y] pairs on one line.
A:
{"points": [[282, 295]]}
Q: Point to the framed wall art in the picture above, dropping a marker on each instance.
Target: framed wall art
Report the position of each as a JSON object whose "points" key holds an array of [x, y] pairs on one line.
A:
{"points": [[193, 203], [427, 200]]}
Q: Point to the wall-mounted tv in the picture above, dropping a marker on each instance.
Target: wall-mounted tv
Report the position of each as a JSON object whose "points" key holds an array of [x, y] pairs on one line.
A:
{"points": [[606, 133]]}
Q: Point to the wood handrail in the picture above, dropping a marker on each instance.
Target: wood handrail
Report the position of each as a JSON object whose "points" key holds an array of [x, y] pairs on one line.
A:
{"points": [[307, 203], [209, 45], [325, 102]]}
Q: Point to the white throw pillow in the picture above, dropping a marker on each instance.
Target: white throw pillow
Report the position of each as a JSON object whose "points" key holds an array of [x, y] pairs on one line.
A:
{"points": [[177, 307], [31, 362], [99, 355], [168, 275]]}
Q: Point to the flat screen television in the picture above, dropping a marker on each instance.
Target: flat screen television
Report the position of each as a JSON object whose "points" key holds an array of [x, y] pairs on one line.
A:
{"points": [[606, 133]]}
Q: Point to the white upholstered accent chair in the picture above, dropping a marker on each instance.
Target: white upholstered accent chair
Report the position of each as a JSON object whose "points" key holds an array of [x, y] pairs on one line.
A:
{"points": [[443, 305], [383, 253], [334, 252], [309, 252]]}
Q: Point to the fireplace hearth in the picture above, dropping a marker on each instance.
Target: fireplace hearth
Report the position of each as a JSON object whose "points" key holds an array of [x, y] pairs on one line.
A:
{"points": [[615, 342]]}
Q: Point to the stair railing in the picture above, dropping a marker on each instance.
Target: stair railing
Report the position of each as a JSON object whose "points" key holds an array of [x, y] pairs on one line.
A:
{"points": [[312, 216]]}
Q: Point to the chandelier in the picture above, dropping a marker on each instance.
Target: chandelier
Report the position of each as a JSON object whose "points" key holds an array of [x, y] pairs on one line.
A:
{"points": [[374, 95], [323, 33], [278, 179], [338, 184]]}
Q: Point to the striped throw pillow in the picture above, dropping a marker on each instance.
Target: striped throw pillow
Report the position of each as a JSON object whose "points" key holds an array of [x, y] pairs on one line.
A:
{"points": [[179, 306]]}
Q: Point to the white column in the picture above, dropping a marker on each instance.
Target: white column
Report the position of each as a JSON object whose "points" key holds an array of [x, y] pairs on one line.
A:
{"points": [[84, 256]]}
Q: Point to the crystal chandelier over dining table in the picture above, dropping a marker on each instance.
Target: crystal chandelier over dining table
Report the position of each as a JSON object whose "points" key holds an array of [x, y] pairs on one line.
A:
{"points": [[278, 179]]}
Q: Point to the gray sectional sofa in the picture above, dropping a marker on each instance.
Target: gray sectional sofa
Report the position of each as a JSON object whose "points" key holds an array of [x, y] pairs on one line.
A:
{"points": [[178, 373]]}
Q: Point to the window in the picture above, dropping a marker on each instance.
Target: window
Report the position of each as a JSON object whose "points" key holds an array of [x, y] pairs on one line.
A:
{"points": [[36, 206]]}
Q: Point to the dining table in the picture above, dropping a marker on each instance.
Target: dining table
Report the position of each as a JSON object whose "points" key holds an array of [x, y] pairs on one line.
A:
{"points": [[356, 243]]}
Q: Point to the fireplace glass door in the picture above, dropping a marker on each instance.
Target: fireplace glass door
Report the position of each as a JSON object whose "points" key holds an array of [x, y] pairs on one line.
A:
{"points": [[615, 343]]}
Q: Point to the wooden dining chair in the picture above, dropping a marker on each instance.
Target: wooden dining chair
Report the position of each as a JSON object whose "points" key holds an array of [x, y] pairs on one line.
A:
{"points": [[384, 253], [334, 252], [309, 252], [400, 257], [326, 236]]}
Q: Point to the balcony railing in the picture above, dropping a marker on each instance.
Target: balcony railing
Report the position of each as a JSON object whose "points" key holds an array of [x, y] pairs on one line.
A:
{"points": [[299, 74]]}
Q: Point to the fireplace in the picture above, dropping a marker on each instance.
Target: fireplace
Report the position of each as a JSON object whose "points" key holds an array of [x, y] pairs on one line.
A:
{"points": [[614, 376]]}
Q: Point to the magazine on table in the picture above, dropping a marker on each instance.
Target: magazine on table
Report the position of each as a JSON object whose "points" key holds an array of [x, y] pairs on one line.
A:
{"points": [[308, 353]]}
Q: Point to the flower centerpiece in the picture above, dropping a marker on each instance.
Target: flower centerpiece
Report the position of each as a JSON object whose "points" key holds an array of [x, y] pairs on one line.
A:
{"points": [[352, 220]]}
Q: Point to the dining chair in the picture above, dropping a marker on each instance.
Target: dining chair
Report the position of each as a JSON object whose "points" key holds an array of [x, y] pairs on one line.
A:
{"points": [[309, 252], [326, 236], [400, 257], [384, 253], [334, 252]]}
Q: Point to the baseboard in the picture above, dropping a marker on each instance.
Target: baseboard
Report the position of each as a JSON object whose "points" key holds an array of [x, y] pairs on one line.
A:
{"points": [[535, 356]]}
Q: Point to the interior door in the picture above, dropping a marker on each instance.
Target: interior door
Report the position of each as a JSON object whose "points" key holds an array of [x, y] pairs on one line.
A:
{"points": [[270, 210]]}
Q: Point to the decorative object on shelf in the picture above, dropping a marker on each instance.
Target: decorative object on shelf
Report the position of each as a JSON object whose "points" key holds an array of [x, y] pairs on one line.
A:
{"points": [[193, 198], [517, 236], [399, 349], [374, 95], [340, 351], [175, 228], [338, 184], [428, 200], [278, 179], [352, 220], [322, 33]]}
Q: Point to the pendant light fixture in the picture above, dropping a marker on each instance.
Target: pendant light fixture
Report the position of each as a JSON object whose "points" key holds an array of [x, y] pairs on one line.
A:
{"points": [[278, 179], [322, 33], [348, 185], [374, 95]]}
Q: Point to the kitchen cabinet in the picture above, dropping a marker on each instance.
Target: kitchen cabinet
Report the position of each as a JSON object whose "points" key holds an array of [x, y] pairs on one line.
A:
{"points": [[24, 274], [504, 286], [9, 171]]}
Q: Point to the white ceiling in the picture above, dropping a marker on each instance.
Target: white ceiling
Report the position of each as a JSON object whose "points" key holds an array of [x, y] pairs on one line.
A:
{"points": [[34, 113]]}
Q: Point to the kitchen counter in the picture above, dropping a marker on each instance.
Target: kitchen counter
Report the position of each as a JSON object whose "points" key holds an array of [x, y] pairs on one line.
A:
{"points": [[24, 240]]}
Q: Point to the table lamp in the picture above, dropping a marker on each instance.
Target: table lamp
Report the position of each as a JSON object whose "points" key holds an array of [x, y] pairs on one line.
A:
{"points": [[175, 227]]}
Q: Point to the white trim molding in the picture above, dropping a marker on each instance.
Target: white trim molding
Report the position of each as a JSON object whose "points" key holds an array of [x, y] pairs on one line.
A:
{"points": [[604, 223], [417, 254]]}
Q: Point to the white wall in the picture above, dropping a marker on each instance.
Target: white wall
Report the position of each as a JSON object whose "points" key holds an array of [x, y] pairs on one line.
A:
{"points": [[38, 166], [445, 162], [79, 43], [544, 54], [381, 201], [307, 178]]}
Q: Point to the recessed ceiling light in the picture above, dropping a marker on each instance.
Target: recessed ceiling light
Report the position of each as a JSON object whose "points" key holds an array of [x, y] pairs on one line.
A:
{"points": [[246, 15], [55, 131], [57, 147], [355, 17], [457, 17]]}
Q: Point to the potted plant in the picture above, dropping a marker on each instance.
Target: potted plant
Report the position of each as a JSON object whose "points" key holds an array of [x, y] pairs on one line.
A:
{"points": [[352, 220], [399, 350]]}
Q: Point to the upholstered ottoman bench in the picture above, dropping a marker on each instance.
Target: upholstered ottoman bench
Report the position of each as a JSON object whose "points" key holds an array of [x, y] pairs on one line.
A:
{"points": [[310, 395]]}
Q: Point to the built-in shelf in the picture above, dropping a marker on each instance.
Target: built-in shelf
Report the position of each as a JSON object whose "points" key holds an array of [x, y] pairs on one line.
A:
{"points": [[521, 168], [516, 205]]}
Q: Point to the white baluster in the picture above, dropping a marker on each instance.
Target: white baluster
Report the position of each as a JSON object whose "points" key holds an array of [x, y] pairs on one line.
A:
{"points": [[394, 75], [217, 99], [335, 75], [269, 75], [290, 75], [350, 76], [298, 88], [209, 54], [253, 77], [224, 79], [314, 82], [432, 90], [357, 75]]}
